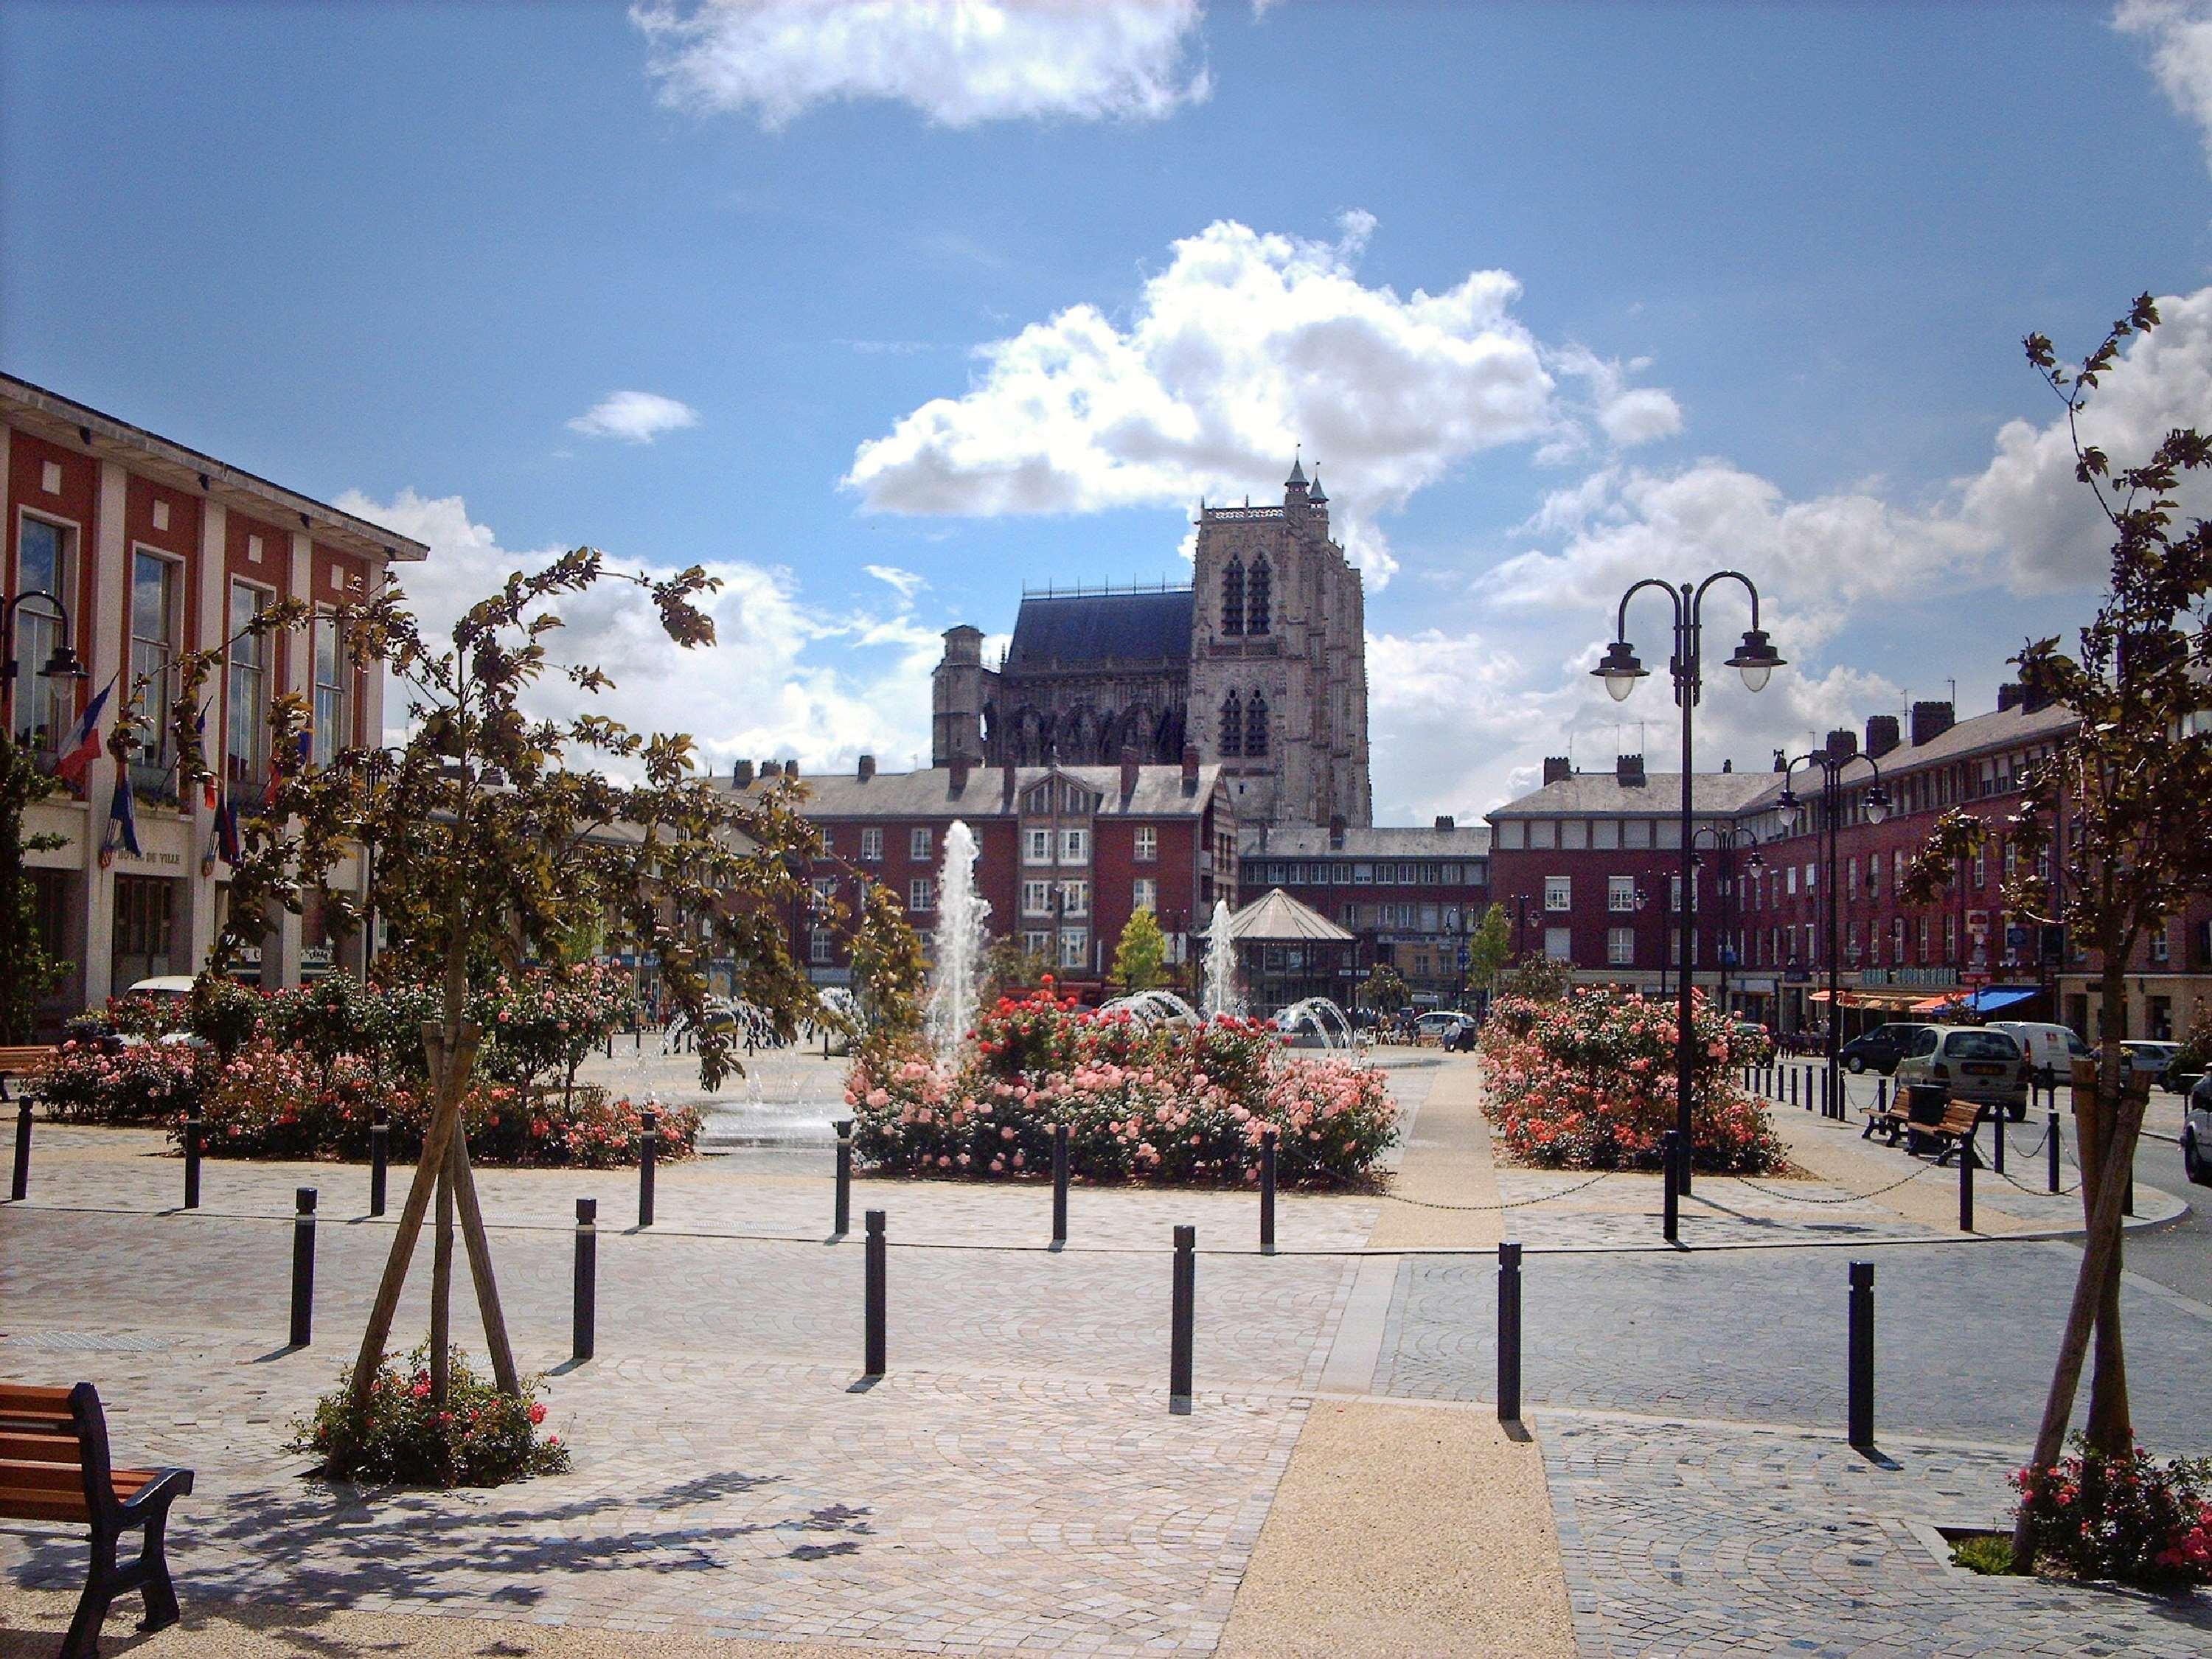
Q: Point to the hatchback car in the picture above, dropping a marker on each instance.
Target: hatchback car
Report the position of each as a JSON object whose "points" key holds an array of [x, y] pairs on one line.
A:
{"points": [[2197, 1133], [2151, 1059], [1441, 1024], [1971, 1063], [1880, 1049]]}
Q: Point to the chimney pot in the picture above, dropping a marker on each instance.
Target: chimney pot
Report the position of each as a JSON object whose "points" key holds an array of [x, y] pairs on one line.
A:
{"points": [[791, 767], [1557, 769], [1445, 821], [1628, 771], [867, 768], [1128, 771], [1843, 743], [741, 775], [1881, 734], [1190, 769], [1336, 835], [960, 764], [2011, 694]]}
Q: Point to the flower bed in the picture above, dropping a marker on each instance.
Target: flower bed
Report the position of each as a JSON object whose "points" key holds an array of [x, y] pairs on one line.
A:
{"points": [[1587, 1082], [479, 1438], [95, 1081], [2125, 1518], [1141, 1103]]}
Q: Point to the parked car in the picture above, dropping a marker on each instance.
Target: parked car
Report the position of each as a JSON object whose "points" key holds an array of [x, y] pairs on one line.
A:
{"points": [[2151, 1059], [2197, 1133], [1754, 1043], [1441, 1025], [1880, 1049], [2054, 1046], [1971, 1062]]}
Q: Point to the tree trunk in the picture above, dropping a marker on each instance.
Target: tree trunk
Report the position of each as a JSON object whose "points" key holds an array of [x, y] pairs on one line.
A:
{"points": [[2110, 1428], [442, 1291]]}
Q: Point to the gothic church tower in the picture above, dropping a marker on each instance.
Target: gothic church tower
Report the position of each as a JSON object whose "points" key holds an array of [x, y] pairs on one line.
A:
{"points": [[1278, 660]]}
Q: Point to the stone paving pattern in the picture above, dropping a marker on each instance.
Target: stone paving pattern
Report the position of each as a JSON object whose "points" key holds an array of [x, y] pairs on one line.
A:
{"points": [[1017, 1480]]}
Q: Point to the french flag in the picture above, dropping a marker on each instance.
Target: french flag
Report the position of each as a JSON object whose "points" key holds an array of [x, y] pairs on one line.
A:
{"points": [[84, 744]]}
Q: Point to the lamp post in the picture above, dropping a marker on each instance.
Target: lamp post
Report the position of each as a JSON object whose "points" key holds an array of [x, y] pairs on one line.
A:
{"points": [[1832, 764], [60, 664], [1726, 838], [1756, 659]]}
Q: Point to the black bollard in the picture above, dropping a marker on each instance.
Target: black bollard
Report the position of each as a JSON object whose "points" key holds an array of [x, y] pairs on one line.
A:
{"points": [[303, 1267], [1998, 1137], [1059, 1183], [192, 1121], [19, 1188], [1267, 1190], [1882, 1094], [1184, 1314], [844, 1218], [2051, 1140], [1793, 1086], [2128, 1198], [1862, 1356], [380, 1159], [1670, 1222], [648, 1143], [1509, 1332], [1827, 1095], [1966, 1162], [874, 1294], [583, 1307]]}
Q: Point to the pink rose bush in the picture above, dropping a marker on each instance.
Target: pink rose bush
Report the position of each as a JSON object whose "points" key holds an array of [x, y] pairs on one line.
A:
{"points": [[2124, 1517], [1588, 1083], [1141, 1104], [96, 1082]]}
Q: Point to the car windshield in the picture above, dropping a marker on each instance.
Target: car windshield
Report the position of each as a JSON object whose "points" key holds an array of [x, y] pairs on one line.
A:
{"points": [[1980, 1045]]}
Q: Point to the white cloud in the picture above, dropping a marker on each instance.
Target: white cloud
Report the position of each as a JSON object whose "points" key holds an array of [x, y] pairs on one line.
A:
{"points": [[763, 690], [905, 581], [959, 62], [1244, 345], [637, 417], [2180, 33]]}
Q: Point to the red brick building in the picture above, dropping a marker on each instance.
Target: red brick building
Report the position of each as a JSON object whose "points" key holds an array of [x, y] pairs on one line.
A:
{"points": [[1065, 855]]}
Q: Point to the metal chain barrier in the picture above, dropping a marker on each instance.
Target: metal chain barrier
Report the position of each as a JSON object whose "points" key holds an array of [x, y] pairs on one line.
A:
{"points": [[1848, 1197], [1514, 1204]]}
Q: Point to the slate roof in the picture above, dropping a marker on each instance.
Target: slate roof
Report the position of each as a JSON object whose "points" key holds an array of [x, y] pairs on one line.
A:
{"points": [[1984, 733], [1309, 840], [1600, 794], [928, 793], [1075, 630], [1279, 918]]}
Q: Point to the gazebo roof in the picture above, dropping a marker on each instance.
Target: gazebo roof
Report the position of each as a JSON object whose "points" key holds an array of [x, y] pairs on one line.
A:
{"points": [[1279, 919]]}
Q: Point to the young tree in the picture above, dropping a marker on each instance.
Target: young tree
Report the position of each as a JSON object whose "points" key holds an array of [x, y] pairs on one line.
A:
{"points": [[1382, 991], [1008, 968], [1490, 947], [491, 850], [889, 978], [2109, 815], [1141, 954], [1538, 977]]}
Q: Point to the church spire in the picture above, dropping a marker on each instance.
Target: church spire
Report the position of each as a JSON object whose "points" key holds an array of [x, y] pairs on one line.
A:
{"points": [[1319, 498], [1298, 471]]}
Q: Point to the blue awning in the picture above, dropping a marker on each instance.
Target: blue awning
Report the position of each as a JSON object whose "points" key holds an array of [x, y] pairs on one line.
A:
{"points": [[1999, 996]]}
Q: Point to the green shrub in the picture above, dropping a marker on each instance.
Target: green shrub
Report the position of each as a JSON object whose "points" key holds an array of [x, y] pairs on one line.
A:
{"points": [[2124, 1518], [481, 1438], [1984, 1553]]}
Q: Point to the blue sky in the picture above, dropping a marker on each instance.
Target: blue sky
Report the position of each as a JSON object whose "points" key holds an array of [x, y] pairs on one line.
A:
{"points": [[1756, 280]]}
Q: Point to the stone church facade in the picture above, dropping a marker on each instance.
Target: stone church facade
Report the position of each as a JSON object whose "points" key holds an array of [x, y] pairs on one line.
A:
{"points": [[1259, 665]]}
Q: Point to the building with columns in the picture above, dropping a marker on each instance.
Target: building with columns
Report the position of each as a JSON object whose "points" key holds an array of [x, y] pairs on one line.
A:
{"points": [[155, 549], [1260, 667]]}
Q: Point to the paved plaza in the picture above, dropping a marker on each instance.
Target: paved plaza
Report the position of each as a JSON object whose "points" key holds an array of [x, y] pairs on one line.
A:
{"points": [[1018, 1481]]}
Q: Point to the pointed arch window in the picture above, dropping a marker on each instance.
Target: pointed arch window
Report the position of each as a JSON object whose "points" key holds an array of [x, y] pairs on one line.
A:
{"points": [[1258, 597], [1255, 725], [1232, 597], [1232, 726]]}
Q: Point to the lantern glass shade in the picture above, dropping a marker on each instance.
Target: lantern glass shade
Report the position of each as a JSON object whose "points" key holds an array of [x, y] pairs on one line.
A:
{"points": [[1620, 670], [1756, 659], [1877, 804], [62, 665]]}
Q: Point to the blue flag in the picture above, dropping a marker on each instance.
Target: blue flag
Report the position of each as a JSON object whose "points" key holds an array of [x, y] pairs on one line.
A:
{"points": [[123, 815]]}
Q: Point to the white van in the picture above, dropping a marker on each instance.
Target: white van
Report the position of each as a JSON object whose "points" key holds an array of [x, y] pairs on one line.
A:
{"points": [[2054, 1046]]}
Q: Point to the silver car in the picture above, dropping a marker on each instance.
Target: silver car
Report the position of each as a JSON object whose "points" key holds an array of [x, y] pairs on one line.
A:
{"points": [[2197, 1133], [1969, 1062]]}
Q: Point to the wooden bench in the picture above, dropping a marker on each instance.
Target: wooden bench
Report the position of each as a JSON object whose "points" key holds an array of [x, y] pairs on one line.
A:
{"points": [[54, 1466], [25, 1065], [1912, 1106], [1916, 1118]]}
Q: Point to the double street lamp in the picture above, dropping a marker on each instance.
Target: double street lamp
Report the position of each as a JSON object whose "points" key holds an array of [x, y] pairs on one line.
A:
{"points": [[1756, 660], [1832, 763], [1726, 838]]}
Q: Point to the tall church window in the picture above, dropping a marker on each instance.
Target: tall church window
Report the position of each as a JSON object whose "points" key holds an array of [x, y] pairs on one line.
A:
{"points": [[1232, 597], [1257, 598], [1232, 726], [1255, 725]]}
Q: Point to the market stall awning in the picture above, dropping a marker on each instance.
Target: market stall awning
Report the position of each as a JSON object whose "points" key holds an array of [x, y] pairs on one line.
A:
{"points": [[1279, 918], [1893, 1000], [1988, 999]]}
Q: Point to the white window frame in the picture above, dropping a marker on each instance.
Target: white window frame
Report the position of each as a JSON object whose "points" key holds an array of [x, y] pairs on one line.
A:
{"points": [[252, 724], [1559, 943], [1558, 893], [1074, 846], [1148, 843], [161, 692], [336, 732], [1621, 947], [1074, 947], [921, 895], [1075, 898], [1144, 894], [872, 844], [917, 846]]}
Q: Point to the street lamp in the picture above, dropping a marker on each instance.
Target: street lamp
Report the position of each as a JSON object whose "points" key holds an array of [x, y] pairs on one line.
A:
{"points": [[1756, 660], [60, 664], [1833, 762], [1728, 837]]}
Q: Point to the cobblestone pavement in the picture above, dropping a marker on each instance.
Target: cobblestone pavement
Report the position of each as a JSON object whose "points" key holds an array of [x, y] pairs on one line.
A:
{"points": [[1687, 1539], [1964, 1338]]}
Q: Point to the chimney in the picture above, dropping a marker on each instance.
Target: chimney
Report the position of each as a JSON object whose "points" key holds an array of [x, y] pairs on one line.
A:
{"points": [[741, 775], [1557, 769], [1190, 769], [771, 769], [2011, 694], [1728, 766], [1006, 787], [1336, 834], [1445, 821], [960, 764], [1628, 770], [1930, 720], [791, 767], [1882, 734], [1843, 744], [867, 768], [2033, 699], [1128, 771]]}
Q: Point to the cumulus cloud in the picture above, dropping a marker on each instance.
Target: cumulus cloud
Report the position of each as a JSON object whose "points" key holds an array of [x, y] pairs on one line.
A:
{"points": [[637, 417], [765, 689], [959, 62], [1246, 343], [2180, 36], [907, 582]]}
